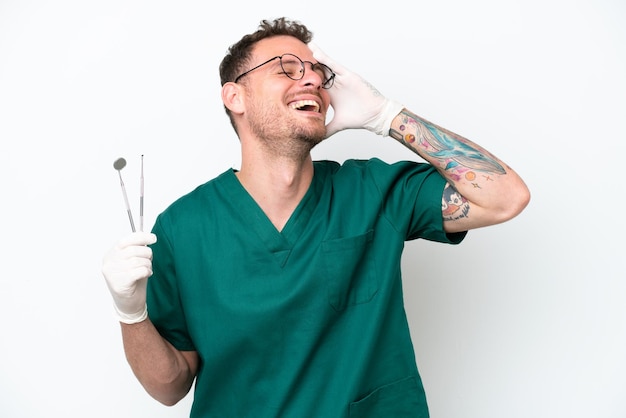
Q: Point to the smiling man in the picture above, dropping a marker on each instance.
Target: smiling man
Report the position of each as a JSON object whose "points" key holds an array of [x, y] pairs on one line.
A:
{"points": [[277, 288]]}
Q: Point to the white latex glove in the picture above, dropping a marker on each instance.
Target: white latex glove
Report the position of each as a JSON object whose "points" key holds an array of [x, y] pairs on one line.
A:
{"points": [[126, 268], [356, 103]]}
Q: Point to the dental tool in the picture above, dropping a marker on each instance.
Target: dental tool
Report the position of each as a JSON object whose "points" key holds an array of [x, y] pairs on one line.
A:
{"points": [[141, 197], [119, 164]]}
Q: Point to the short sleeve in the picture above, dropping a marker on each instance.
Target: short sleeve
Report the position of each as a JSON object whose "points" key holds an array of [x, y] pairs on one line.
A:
{"points": [[412, 193]]}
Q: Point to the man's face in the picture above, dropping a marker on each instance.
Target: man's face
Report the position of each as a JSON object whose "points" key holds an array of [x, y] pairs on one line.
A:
{"points": [[285, 114]]}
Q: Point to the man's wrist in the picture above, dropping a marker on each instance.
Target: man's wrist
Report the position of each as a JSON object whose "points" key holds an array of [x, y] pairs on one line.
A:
{"points": [[391, 110], [134, 318]]}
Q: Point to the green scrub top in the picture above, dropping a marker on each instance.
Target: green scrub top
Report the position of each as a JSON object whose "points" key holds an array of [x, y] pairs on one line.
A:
{"points": [[308, 321]]}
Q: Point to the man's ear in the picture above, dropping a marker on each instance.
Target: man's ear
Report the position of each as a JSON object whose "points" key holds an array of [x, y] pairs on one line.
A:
{"points": [[233, 97]]}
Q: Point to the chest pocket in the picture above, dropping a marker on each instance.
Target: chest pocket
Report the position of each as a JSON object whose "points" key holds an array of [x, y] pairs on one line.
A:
{"points": [[350, 270], [404, 398]]}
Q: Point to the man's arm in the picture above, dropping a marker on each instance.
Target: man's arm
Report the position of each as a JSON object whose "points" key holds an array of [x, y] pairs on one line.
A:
{"points": [[165, 372], [482, 190]]}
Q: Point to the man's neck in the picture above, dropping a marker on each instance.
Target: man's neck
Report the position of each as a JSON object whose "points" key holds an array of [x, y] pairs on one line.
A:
{"points": [[277, 186]]}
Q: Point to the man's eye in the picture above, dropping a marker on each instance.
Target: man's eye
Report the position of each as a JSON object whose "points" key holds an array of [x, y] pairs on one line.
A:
{"points": [[291, 69]]}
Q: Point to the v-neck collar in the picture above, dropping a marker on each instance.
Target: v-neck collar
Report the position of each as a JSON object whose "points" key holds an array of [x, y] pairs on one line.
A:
{"points": [[280, 243]]}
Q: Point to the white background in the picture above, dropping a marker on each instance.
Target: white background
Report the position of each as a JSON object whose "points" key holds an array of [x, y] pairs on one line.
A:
{"points": [[524, 319]]}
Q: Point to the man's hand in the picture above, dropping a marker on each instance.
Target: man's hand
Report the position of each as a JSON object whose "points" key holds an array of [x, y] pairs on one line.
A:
{"points": [[126, 268], [356, 103]]}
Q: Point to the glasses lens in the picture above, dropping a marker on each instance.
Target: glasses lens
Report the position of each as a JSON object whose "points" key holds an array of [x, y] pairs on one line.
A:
{"points": [[292, 66], [327, 75], [321, 71]]}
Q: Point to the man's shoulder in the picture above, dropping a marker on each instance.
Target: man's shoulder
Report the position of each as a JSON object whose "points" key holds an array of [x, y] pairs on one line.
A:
{"points": [[371, 164], [200, 193]]}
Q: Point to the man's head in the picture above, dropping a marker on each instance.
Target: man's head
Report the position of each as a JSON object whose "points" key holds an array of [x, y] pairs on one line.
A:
{"points": [[238, 57], [271, 65]]}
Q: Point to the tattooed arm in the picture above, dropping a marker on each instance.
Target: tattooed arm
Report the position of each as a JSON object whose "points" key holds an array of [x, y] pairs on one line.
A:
{"points": [[481, 189]]}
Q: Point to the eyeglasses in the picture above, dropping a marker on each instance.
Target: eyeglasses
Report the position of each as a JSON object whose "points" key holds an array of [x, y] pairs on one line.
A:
{"points": [[293, 67]]}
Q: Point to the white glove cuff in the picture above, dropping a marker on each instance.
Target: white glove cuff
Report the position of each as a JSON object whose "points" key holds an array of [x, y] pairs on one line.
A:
{"points": [[389, 113], [132, 318]]}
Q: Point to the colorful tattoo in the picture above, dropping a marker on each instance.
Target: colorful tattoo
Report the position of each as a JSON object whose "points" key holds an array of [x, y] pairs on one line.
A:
{"points": [[458, 158], [453, 205]]}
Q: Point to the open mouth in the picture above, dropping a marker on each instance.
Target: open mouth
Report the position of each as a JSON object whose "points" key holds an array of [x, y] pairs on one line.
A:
{"points": [[306, 105]]}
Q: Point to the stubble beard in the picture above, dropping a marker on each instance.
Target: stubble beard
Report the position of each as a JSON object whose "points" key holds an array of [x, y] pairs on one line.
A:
{"points": [[284, 137]]}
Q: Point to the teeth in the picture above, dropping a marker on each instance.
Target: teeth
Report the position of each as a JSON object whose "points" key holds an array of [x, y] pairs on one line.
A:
{"points": [[302, 103]]}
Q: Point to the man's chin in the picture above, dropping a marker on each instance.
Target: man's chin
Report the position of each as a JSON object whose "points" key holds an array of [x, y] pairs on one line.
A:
{"points": [[315, 140], [313, 136]]}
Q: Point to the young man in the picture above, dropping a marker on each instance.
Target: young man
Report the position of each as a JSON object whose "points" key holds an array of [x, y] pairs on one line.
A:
{"points": [[277, 287]]}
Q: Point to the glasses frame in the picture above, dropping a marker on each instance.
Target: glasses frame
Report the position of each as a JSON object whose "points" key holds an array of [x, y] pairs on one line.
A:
{"points": [[326, 84]]}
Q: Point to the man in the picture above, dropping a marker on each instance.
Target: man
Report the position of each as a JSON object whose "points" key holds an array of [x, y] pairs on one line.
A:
{"points": [[277, 288]]}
